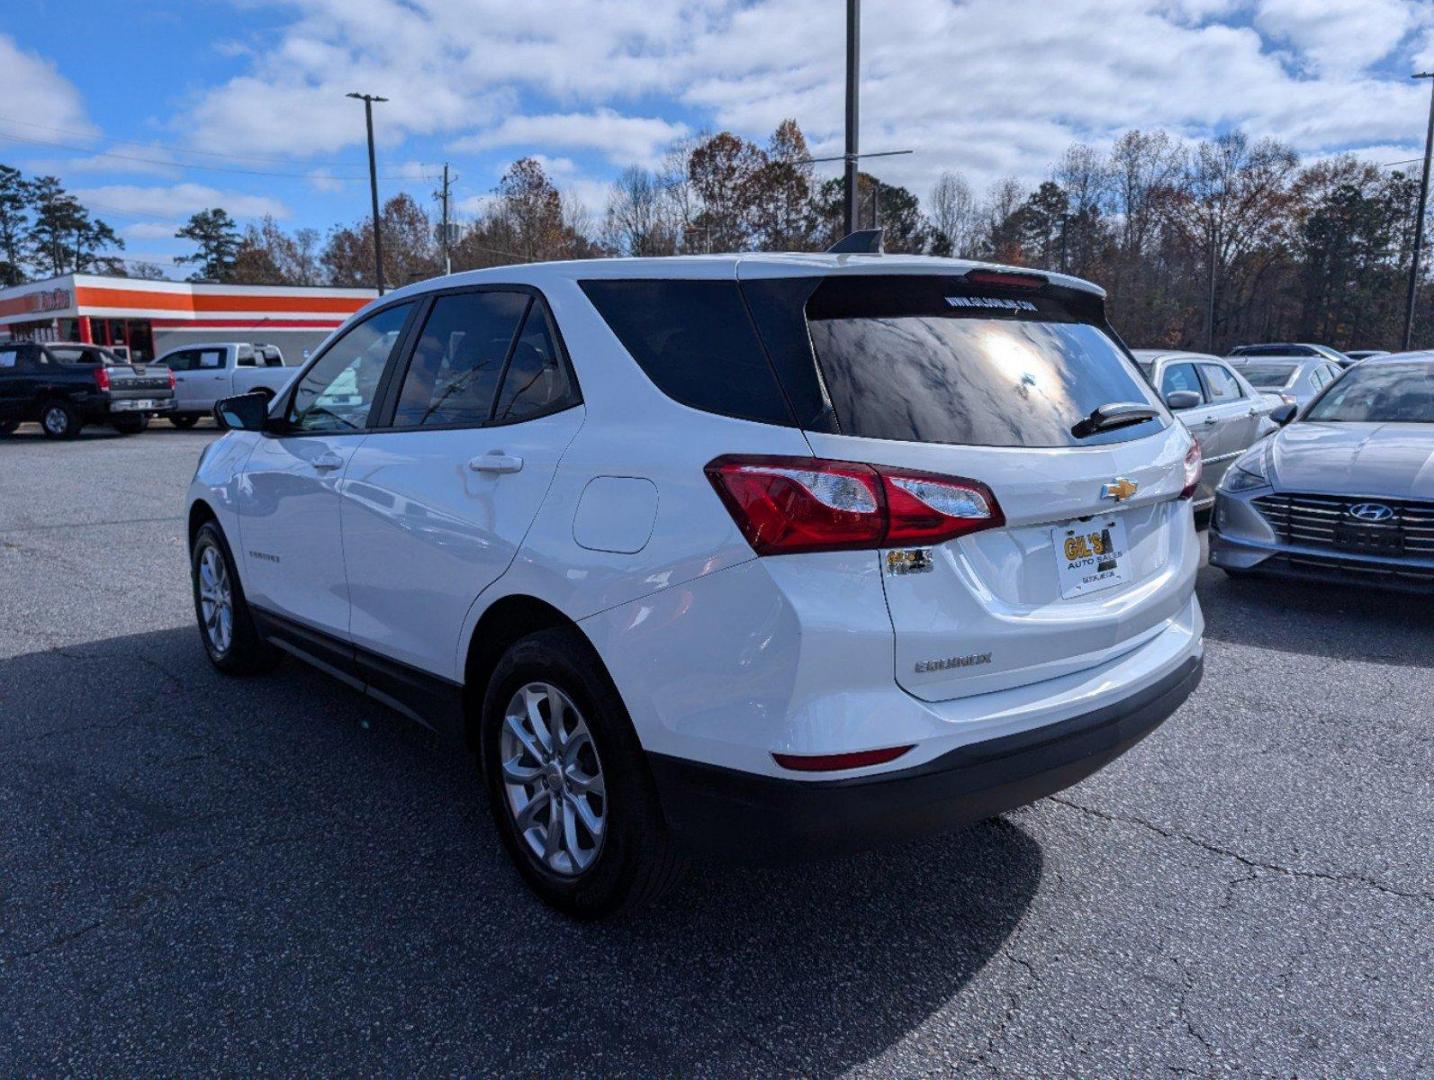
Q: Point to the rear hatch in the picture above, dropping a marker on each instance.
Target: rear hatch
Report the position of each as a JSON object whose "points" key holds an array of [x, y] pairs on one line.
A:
{"points": [[988, 377], [139, 380]]}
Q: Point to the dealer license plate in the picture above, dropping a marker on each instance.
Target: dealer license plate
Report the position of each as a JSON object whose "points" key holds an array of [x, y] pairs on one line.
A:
{"points": [[1091, 555]]}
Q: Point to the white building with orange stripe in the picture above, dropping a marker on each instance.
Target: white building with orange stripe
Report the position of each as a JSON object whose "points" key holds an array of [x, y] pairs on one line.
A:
{"points": [[152, 317]]}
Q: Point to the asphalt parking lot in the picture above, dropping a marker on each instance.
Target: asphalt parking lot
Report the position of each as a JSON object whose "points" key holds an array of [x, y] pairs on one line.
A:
{"points": [[278, 875]]}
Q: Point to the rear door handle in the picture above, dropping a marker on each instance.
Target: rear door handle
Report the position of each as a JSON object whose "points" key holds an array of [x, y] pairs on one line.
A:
{"points": [[328, 460], [1212, 419], [496, 462]]}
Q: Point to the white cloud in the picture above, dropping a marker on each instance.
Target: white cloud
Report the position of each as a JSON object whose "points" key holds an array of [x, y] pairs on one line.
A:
{"points": [[624, 140], [150, 230], [178, 199], [1337, 35], [36, 93]]}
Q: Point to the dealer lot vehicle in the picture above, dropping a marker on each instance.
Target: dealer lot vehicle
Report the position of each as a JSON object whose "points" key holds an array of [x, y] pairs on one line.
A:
{"points": [[1297, 380], [1346, 492], [1356, 355], [206, 373], [764, 555], [1224, 412], [1303, 349], [63, 387]]}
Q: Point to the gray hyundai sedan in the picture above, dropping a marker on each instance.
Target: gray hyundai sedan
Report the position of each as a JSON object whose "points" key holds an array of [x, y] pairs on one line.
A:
{"points": [[1345, 492]]}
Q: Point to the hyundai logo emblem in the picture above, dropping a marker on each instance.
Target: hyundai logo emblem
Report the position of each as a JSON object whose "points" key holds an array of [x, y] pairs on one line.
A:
{"points": [[1371, 512]]}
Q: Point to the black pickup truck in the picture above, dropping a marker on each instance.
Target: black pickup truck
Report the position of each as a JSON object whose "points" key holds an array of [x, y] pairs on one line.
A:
{"points": [[63, 387]]}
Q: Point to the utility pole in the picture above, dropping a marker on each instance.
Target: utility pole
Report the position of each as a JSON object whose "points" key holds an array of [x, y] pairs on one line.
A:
{"points": [[1210, 315], [1419, 218], [853, 66], [443, 197], [368, 100]]}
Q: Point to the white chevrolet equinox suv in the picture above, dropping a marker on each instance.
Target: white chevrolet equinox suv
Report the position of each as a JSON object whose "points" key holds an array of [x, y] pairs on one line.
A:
{"points": [[757, 555]]}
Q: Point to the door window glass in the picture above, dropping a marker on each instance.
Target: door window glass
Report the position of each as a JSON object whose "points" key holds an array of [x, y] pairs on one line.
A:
{"points": [[7, 358], [1181, 377], [211, 358], [453, 376], [179, 361], [535, 382], [338, 391], [1222, 384]]}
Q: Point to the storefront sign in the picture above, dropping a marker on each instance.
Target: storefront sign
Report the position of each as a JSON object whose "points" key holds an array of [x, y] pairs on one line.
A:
{"points": [[49, 300]]}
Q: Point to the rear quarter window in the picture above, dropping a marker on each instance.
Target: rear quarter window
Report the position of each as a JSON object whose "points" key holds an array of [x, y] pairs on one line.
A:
{"points": [[695, 341]]}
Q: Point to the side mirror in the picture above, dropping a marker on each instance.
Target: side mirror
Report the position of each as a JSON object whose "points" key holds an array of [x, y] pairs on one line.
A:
{"points": [[1284, 414], [246, 412], [1177, 400]]}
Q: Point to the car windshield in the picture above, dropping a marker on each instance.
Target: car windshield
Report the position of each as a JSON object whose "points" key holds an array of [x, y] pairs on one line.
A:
{"points": [[1379, 394], [1267, 376]]}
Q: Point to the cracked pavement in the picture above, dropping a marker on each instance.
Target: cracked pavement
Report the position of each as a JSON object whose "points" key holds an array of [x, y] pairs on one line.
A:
{"points": [[277, 875]]}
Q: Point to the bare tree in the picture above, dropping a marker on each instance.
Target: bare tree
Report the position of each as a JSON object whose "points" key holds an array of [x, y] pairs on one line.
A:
{"points": [[954, 216]]}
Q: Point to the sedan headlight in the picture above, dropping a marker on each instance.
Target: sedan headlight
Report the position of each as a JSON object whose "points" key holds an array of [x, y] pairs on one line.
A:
{"points": [[1247, 473]]}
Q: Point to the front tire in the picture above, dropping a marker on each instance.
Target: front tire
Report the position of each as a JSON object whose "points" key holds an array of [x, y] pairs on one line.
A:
{"points": [[568, 784], [226, 625], [184, 421], [59, 421], [130, 425]]}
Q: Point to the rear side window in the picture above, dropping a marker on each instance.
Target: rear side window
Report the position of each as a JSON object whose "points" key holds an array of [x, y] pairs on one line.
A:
{"points": [[7, 357], [535, 382], [211, 358], [458, 361], [1223, 386], [695, 341]]}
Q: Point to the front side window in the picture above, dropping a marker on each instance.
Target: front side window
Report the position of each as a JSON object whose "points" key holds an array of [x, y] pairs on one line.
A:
{"points": [[178, 361], [1181, 377], [211, 358], [338, 392], [1380, 394], [1223, 386], [458, 361], [7, 357]]}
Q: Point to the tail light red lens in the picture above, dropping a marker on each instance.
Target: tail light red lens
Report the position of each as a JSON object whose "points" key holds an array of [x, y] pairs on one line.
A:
{"points": [[171, 380], [102, 378], [833, 762], [785, 505], [1194, 469]]}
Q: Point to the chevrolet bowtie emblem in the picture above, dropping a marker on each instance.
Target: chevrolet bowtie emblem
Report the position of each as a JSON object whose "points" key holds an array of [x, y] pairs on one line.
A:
{"points": [[1119, 489]]}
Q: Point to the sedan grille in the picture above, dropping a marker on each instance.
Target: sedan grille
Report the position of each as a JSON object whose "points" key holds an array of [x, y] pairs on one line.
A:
{"points": [[1327, 521]]}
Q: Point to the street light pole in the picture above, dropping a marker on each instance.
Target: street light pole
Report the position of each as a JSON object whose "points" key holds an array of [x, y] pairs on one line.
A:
{"points": [[1419, 218], [368, 100], [853, 65]]}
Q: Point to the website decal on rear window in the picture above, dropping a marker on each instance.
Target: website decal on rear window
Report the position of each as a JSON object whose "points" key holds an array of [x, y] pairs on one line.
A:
{"points": [[997, 302]]}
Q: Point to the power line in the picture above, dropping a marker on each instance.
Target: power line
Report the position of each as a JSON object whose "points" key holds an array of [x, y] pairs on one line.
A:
{"points": [[316, 174], [171, 146]]}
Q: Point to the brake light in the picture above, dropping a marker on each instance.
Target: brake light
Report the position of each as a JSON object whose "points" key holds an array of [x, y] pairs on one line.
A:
{"points": [[170, 373], [1194, 469], [1005, 279], [102, 378], [785, 505]]}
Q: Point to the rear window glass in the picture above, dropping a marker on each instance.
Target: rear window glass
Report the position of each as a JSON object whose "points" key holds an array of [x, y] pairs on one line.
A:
{"points": [[79, 356], [1267, 375], [696, 342], [920, 362]]}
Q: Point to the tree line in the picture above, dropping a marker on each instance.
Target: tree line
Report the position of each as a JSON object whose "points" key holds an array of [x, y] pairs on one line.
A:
{"points": [[1225, 241]]}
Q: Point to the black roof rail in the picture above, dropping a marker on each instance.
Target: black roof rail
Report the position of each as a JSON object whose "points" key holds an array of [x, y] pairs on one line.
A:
{"points": [[861, 242]]}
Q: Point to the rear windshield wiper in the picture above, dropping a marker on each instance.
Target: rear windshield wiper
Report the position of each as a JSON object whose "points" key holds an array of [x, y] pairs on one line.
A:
{"points": [[1116, 414]]}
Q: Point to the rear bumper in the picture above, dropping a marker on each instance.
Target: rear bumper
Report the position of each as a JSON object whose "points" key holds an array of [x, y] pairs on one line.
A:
{"points": [[753, 817]]}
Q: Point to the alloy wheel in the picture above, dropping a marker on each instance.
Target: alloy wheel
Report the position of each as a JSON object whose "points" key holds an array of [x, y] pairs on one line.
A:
{"points": [[553, 779], [56, 421], [216, 599]]}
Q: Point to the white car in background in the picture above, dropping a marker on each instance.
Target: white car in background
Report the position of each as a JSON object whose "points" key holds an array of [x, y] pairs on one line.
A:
{"points": [[1297, 380], [1222, 410], [761, 555], [203, 374]]}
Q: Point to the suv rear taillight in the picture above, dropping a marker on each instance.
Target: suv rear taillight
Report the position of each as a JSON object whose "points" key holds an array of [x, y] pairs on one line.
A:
{"points": [[1194, 469], [102, 378], [785, 505]]}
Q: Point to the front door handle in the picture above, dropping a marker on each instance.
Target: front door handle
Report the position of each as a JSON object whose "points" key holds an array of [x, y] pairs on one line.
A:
{"points": [[328, 460], [1212, 419], [496, 462]]}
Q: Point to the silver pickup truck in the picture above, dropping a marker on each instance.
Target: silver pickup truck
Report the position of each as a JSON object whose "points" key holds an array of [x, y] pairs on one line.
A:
{"points": [[207, 372]]}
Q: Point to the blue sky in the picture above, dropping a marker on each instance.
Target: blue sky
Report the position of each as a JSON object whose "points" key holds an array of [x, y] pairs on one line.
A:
{"points": [[219, 96]]}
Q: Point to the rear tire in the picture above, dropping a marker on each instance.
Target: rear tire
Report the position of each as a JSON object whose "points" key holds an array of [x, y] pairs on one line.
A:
{"points": [[587, 769], [184, 422], [130, 425], [226, 626], [59, 421]]}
